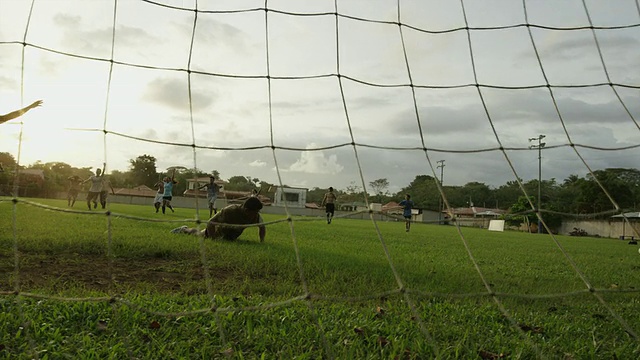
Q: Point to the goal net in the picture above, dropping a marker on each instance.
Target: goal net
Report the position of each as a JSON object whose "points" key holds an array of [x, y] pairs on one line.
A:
{"points": [[323, 93]]}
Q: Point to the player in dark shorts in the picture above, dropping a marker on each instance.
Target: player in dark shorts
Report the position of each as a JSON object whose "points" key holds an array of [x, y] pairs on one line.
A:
{"points": [[74, 189], [96, 187], [246, 213], [167, 196], [157, 201], [407, 205], [104, 193], [329, 201]]}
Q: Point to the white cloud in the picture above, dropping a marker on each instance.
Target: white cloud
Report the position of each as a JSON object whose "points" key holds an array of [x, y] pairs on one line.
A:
{"points": [[227, 104], [316, 162], [171, 92], [258, 163]]}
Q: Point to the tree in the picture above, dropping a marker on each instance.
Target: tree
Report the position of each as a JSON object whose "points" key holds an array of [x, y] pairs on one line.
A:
{"points": [[316, 195], [569, 198], [120, 179], [143, 170], [239, 183], [56, 177], [379, 186], [478, 194], [424, 192], [55, 174], [507, 194], [521, 212], [619, 183], [7, 165], [7, 160], [353, 193]]}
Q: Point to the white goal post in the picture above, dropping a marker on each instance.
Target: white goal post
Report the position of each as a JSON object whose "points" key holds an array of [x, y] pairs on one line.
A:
{"points": [[496, 225]]}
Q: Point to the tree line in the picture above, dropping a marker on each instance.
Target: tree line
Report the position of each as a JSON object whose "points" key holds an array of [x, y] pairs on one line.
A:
{"points": [[574, 195]]}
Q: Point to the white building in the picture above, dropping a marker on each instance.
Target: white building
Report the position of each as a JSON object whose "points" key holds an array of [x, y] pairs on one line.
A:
{"points": [[292, 197]]}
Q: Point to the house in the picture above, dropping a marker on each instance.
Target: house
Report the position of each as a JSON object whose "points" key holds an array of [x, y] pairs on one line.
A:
{"points": [[229, 196], [194, 183], [353, 206], [392, 208], [475, 212], [236, 197], [31, 176], [140, 190], [312, 206], [632, 219], [473, 216]]}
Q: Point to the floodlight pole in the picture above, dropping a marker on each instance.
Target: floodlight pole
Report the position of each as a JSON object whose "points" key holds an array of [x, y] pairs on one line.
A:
{"points": [[539, 147], [441, 167]]}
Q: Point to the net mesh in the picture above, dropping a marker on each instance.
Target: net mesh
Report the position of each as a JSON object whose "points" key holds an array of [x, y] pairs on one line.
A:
{"points": [[385, 41]]}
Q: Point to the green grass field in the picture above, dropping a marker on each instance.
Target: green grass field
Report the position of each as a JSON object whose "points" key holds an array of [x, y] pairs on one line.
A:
{"points": [[93, 286]]}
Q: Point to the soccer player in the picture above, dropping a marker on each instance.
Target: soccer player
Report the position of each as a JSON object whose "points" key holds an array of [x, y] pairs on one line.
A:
{"points": [[74, 189], [104, 193], [329, 202], [212, 194], [96, 187], [246, 213], [157, 201], [167, 184], [407, 205], [14, 114]]}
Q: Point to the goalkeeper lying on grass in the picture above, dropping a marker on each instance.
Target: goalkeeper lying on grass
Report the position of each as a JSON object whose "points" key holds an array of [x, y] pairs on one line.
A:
{"points": [[239, 214]]}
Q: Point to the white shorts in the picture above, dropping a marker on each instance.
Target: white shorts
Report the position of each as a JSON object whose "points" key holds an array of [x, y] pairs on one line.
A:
{"points": [[212, 199], [158, 198]]}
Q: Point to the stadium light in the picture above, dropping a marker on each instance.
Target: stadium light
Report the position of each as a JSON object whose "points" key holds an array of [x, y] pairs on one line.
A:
{"points": [[539, 147], [441, 167]]}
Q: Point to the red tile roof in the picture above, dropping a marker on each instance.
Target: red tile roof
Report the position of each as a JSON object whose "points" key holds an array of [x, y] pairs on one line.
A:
{"points": [[141, 190]]}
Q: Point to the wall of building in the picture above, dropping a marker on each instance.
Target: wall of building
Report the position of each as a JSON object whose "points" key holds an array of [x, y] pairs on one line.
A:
{"points": [[479, 222], [605, 228], [284, 195]]}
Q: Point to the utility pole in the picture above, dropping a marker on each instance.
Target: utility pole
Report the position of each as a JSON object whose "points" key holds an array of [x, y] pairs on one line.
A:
{"points": [[441, 167], [539, 147]]}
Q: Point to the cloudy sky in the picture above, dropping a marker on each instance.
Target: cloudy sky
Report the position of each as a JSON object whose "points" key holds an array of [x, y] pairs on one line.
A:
{"points": [[282, 95]]}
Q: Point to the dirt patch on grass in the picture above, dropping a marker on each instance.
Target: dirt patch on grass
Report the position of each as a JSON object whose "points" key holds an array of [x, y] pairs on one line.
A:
{"points": [[61, 272]]}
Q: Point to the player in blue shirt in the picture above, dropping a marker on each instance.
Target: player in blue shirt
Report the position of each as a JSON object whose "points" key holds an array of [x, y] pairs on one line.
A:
{"points": [[407, 205], [168, 183]]}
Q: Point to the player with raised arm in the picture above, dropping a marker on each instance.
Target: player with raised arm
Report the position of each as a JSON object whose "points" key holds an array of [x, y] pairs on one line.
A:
{"points": [[157, 201], [246, 213], [74, 189], [212, 194], [167, 196], [14, 114], [96, 187]]}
